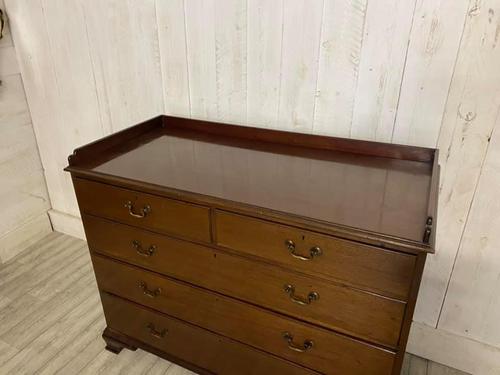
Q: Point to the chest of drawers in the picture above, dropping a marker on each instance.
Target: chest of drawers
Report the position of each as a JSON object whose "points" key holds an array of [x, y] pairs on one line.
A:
{"points": [[235, 250]]}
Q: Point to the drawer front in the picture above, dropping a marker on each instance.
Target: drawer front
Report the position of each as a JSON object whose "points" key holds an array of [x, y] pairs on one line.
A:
{"points": [[315, 348], [382, 271], [346, 310], [143, 210], [209, 351]]}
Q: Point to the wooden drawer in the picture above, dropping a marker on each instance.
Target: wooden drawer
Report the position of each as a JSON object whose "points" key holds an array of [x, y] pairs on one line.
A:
{"points": [[382, 271], [330, 353], [207, 350], [164, 215], [358, 313]]}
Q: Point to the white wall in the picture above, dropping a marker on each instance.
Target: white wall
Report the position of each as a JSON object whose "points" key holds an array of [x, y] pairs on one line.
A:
{"points": [[422, 72], [23, 195]]}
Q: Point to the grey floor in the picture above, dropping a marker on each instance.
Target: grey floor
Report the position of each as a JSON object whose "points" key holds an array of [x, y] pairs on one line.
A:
{"points": [[51, 319]]}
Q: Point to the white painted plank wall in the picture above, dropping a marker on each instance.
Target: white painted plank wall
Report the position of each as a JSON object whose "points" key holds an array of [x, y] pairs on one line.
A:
{"points": [[23, 196], [340, 53], [386, 34], [435, 36], [469, 119], [123, 43], [473, 302], [173, 53], [472, 305], [419, 72], [299, 64], [73, 88], [40, 82], [264, 47], [230, 17], [201, 58]]}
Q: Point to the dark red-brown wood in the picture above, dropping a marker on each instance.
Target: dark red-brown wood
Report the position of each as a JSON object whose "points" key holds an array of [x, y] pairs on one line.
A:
{"points": [[211, 241], [372, 192], [351, 311]]}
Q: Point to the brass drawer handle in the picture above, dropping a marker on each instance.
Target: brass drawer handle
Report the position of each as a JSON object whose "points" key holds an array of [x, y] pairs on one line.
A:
{"points": [[141, 215], [150, 293], [307, 345], [140, 250], [155, 333], [312, 296], [313, 252]]}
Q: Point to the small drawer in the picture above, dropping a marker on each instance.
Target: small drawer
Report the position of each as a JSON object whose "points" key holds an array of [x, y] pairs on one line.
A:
{"points": [[143, 210], [308, 346], [214, 353], [367, 267], [347, 310]]}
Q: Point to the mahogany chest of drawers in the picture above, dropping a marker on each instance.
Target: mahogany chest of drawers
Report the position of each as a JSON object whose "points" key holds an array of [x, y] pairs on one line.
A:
{"points": [[235, 250]]}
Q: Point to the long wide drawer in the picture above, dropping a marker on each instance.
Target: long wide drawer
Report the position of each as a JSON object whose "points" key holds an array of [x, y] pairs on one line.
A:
{"points": [[361, 314], [314, 348], [204, 349], [143, 210], [382, 271]]}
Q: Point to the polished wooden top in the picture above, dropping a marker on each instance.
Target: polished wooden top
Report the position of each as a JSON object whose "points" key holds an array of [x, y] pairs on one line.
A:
{"points": [[310, 176]]}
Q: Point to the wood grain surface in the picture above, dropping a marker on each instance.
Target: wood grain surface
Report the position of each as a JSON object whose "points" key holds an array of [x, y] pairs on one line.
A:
{"points": [[370, 268], [345, 309], [181, 340], [219, 314], [164, 215]]}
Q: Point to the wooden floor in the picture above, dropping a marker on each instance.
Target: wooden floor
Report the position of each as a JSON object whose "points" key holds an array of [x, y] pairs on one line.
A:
{"points": [[51, 319]]}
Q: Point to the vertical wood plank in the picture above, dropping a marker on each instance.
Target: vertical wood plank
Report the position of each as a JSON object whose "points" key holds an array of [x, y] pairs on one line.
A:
{"points": [[387, 29], [70, 56], [468, 123], [33, 50], [23, 192], [340, 50], [200, 35], [74, 84], [123, 39], [172, 40], [299, 64], [435, 37], [231, 60], [54, 58], [265, 20], [472, 304]]}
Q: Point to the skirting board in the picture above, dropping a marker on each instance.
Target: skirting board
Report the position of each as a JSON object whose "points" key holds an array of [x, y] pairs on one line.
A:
{"points": [[15, 241], [437, 345], [67, 224]]}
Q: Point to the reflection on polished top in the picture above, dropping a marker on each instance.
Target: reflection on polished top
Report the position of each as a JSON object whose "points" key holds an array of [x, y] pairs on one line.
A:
{"points": [[377, 194]]}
